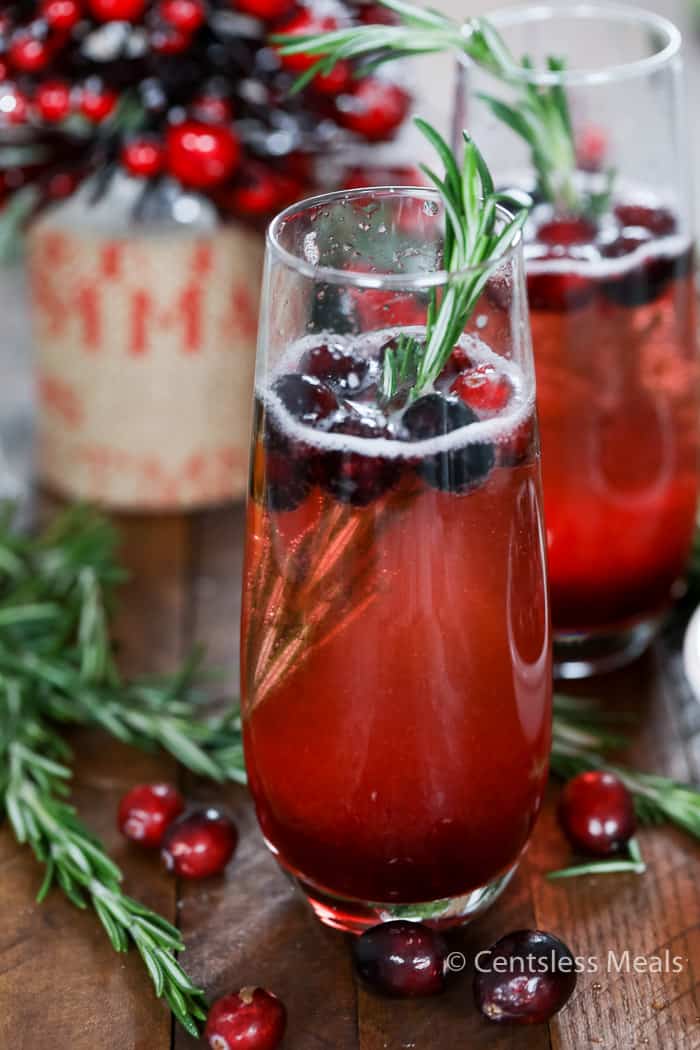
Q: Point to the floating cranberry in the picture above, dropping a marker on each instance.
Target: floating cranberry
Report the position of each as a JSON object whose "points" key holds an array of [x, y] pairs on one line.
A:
{"points": [[659, 221], [201, 155], [400, 958], [185, 15], [96, 104], [641, 283], [525, 978], [305, 398], [61, 15], [596, 813], [53, 100], [143, 157], [373, 109], [358, 478], [147, 811], [333, 364], [199, 845], [252, 1019], [29, 53], [305, 23], [266, 10], [483, 388], [558, 289], [459, 468], [117, 10], [566, 231]]}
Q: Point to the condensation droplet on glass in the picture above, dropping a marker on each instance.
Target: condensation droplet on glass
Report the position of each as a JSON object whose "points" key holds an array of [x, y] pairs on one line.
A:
{"points": [[381, 229], [430, 207], [311, 252], [481, 321], [364, 226]]}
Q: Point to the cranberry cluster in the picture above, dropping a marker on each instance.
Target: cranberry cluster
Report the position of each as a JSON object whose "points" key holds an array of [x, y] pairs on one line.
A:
{"points": [[628, 228], [336, 391], [190, 89]]}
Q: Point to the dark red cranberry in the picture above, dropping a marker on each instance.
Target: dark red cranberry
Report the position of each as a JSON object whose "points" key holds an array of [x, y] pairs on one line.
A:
{"points": [[147, 811], [596, 813], [353, 477], [458, 361], [304, 23], [143, 157], [564, 232], [185, 15], [166, 40], [252, 1019], [259, 191], [559, 291], [342, 370], [644, 282], [213, 109], [659, 221], [373, 109], [377, 14], [525, 978], [199, 845], [97, 103], [53, 100], [117, 10], [458, 469], [202, 155], [381, 175], [483, 388], [306, 398], [337, 80], [266, 10], [61, 14], [400, 958], [29, 53]]}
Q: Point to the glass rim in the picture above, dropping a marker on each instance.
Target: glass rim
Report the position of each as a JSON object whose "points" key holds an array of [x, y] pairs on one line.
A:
{"points": [[354, 278], [522, 14]]}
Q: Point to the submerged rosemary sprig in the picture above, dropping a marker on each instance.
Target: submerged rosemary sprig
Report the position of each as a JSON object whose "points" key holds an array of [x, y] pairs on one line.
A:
{"points": [[539, 114], [472, 240]]}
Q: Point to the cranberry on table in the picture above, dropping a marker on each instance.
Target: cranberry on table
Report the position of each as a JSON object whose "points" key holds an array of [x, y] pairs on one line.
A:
{"points": [[596, 813], [213, 108], [185, 15], [304, 23], [259, 191], [117, 10], [342, 370], [96, 104], [483, 388], [143, 157], [199, 845], [29, 53], [338, 79], [266, 10], [374, 108], [202, 155], [355, 477], [53, 100], [252, 1019], [14, 107], [61, 14], [402, 959], [147, 811], [525, 978]]}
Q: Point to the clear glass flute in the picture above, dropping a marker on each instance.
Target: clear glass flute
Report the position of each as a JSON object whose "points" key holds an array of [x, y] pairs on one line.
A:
{"points": [[612, 304], [396, 648]]}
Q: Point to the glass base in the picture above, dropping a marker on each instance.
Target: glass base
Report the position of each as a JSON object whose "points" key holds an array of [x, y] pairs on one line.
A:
{"points": [[354, 916], [586, 654]]}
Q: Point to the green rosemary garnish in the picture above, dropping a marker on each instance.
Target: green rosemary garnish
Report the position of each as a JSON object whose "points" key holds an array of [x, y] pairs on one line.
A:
{"points": [[539, 114], [471, 241], [633, 862]]}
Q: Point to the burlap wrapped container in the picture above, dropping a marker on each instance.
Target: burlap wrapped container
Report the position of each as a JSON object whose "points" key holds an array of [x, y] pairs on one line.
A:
{"points": [[145, 344]]}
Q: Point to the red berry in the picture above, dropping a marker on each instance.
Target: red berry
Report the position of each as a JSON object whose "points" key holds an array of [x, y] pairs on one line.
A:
{"points": [[596, 813], [355, 477], [200, 844], [213, 109], [28, 53], [185, 15], [306, 399], [377, 15], [339, 79], [333, 364], [525, 978], [483, 389], [252, 1019], [143, 157], [202, 155], [591, 147], [266, 10], [146, 812], [4, 72], [170, 41], [378, 175], [558, 291], [259, 191], [374, 108], [117, 10], [565, 232], [13, 106], [659, 221], [61, 14], [53, 100], [400, 958], [96, 104], [306, 22]]}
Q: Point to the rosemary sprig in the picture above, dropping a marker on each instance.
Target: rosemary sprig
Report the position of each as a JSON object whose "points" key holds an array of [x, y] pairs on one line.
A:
{"points": [[633, 863], [472, 241], [33, 790], [539, 114]]}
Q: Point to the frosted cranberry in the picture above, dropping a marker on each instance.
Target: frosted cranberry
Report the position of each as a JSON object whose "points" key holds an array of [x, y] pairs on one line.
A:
{"points": [[525, 978], [659, 221], [252, 1019], [355, 477], [53, 100], [61, 14], [185, 15], [373, 109], [596, 813], [96, 104], [566, 231], [29, 53], [143, 157], [343, 371], [557, 291], [266, 10], [199, 845], [400, 958], [305, 398], [302, 24], [483, 389], [459, 468], [117, 10], [147, 811], [202, 155]]}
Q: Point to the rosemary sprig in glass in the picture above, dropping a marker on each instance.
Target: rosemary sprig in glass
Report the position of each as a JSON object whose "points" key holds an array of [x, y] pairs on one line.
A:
{"points": [[539, 113]]}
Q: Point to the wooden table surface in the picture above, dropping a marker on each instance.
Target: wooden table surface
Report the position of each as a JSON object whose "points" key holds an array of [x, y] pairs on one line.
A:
{"points": [[61, 985]]}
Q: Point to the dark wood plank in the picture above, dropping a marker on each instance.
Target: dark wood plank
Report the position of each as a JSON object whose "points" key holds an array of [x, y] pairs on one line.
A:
{"points": [[61, 984]]}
